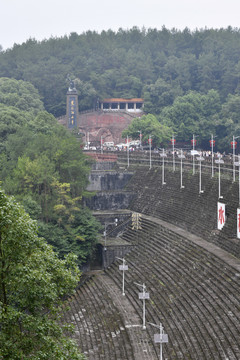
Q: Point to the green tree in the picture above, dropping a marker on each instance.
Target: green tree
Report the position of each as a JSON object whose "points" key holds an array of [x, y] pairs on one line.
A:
{"points": [[36, 177], [193, 113], [229, 123], [52, 81], [36, 154], [11, 120], [44, 167], [85, 232], [159, 95], [20, 94], [148, 125], [77, 229], [44, 123], [33, 282], [66, 206], [86, 94]]}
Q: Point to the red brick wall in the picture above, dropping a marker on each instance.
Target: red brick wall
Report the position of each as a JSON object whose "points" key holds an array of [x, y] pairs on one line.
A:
{"points": [[109, 125], [102, 157]]}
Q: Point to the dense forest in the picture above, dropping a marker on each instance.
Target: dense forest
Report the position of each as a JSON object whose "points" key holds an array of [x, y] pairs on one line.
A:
{"points": [[188, 79], [33, 285], [43, 166]]}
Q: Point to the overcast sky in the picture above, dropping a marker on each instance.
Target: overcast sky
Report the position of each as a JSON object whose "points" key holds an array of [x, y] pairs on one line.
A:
{"points": [[41, 19]]}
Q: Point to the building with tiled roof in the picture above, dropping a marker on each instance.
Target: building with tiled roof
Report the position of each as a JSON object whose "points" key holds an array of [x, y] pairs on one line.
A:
{"points": [[107, 121], [131, 105]]}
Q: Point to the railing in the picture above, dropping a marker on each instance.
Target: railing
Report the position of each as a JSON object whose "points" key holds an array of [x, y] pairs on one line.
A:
{"points": [[143, 158]]}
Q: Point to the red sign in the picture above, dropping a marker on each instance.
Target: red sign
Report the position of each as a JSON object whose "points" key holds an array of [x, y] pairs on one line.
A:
{"points": [[212, 142], [150, 141], [233, 144], [221, 215]]}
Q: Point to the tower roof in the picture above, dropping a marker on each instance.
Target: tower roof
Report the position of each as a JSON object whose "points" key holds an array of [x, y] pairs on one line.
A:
{"points": [[122, 100]]}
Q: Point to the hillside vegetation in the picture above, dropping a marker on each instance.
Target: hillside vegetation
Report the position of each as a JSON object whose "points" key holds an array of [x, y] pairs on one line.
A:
{"points": [[43, 166], [33, 283], [186, 78]]}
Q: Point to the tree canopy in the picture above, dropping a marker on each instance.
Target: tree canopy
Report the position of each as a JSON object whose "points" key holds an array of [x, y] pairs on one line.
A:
{"points": [[160, 66], [33, 282], [20, 94], [43, 166], [128, 63], [149, 126], [193, 113]]}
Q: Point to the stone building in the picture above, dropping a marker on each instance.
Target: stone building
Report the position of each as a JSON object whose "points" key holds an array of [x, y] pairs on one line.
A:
{"points": [[106, 122]]}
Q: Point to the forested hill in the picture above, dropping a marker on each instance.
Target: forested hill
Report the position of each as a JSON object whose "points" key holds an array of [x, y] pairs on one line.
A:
{"points": [[186, 78], [128, 63]]}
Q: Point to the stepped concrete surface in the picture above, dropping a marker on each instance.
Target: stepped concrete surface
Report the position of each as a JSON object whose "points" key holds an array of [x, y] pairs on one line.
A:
{"points": [[194, 291], [215, 250], [191, 271]]}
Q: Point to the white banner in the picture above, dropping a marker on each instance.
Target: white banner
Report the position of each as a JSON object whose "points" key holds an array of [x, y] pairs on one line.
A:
{"points": [[221, 215], [238, 223]]}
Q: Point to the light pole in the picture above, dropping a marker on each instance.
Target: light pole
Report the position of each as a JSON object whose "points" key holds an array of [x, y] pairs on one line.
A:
{"points": [[140, 138], [123, 268], [143, 296], [193, 141], [212, 143], [173, 141], [219, 161], [150, 150], [163, 155], [234, 143], [127, 152], [87, 139], [160, 338], [200, 159], [181, 156]]}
